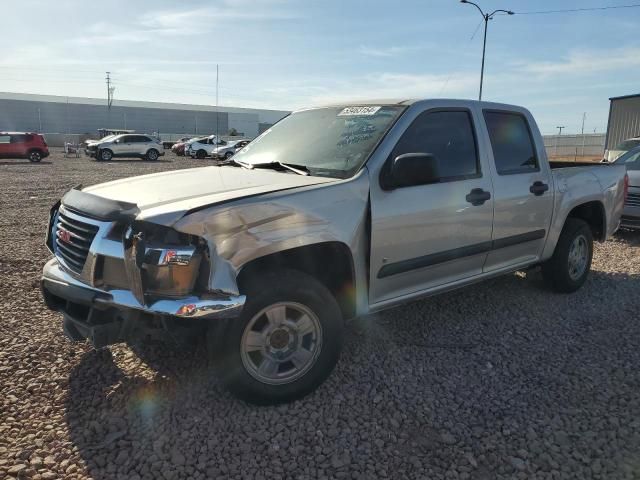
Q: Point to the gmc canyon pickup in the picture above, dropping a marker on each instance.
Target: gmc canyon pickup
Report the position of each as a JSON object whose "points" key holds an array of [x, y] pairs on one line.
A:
{"points": [[332, 213]]}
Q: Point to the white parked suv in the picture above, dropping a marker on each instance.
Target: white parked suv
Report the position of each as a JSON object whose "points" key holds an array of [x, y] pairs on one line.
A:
{"points": [[127, 145], [207, 147]]}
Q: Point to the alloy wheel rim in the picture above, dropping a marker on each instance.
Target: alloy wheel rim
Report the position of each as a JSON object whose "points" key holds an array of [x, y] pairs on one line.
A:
{"points": [[281, 343], [578, 257]]}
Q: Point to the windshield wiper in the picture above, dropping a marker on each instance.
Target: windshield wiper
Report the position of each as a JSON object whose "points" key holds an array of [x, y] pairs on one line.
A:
{"points": [[299, 169]]}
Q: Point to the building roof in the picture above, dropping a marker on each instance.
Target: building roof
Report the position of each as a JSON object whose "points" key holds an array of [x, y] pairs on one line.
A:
{"points": [[625, 96], [32, 97]]}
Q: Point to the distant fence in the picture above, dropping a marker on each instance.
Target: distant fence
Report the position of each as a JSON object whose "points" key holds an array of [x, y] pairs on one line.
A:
{"points": [[587, 146]]}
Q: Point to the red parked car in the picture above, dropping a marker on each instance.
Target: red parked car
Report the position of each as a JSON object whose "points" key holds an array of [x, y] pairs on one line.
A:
{"points": [[23, 145]]}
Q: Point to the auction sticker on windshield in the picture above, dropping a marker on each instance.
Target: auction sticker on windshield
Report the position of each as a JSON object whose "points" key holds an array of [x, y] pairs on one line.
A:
{"points": [[347, 111]]}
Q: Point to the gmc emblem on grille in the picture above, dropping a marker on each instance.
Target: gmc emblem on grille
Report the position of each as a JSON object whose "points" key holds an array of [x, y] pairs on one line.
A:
{"points": [[64, 235]]}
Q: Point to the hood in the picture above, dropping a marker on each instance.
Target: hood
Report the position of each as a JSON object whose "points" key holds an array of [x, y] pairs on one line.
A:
{"points": [[164, 197]]}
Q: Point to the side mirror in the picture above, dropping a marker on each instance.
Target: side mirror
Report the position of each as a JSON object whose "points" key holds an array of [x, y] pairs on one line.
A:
{"points": [[408, 170], [117, 141]]}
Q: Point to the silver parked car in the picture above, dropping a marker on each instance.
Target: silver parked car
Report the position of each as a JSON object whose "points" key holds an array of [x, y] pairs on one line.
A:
{"points": [[631, 212], [125, 146], [620, 149]]}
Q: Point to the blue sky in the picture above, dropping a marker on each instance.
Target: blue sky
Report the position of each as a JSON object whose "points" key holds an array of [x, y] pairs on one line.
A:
{"points": [[289, 54]]}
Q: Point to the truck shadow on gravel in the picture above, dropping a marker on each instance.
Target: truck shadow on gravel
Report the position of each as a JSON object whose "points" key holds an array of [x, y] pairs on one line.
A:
{"points": [[159, 413]]}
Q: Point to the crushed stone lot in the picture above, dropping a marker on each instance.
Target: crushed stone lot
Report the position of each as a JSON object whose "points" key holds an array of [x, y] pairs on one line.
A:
{"points": [[499, 380]]}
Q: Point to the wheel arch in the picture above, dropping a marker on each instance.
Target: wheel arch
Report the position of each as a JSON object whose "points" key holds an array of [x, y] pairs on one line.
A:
{"points": [[594, 214], [331, 263]]}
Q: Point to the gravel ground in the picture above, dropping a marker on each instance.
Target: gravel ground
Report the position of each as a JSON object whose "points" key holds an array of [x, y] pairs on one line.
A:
{"points": [[473, 384]]}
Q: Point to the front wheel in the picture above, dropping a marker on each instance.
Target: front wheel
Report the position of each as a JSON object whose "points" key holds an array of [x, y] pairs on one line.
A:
{"points": [[228, 155], [286, 341], [568, 268], [200, 154], [105, 155]]}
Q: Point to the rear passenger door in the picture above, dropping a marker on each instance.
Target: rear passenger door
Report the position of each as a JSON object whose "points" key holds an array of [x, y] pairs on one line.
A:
{"points": [[141, 144], [523, 194]]}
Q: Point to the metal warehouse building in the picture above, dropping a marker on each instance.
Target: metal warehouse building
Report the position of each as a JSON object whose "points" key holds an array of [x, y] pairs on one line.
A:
{"points": [[75, 115], [624, 119]]}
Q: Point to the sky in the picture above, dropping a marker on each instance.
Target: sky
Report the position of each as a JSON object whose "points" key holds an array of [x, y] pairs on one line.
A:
{"points": [[288, 54]]}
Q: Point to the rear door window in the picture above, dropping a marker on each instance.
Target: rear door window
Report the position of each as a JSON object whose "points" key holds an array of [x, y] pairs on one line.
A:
{"points": [[511, 142], [18, 138]]}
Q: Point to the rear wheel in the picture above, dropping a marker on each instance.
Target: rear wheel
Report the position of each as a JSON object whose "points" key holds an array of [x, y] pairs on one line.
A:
{"points": [[568, 268], [286, 341], [152, 155], [228, 155], [201, 154], [35, 156]]}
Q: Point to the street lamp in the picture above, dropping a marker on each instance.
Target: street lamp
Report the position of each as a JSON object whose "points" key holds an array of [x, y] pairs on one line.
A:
{"points": [[486, 17]]}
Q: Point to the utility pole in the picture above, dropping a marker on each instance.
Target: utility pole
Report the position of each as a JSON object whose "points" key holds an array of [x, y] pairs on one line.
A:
{"points": [[555, 153], [486, 17], [584, 116], [110, 90], [39, 122]]}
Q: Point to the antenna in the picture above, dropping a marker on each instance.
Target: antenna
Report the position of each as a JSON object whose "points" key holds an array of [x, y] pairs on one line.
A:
{"points": [[217, 122]]}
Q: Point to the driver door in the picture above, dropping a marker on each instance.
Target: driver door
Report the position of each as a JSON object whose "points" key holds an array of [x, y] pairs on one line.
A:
{"points": [[427, 236]]}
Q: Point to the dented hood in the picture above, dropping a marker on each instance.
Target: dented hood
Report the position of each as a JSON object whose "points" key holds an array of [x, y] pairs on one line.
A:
{"points": [[164, 197]]}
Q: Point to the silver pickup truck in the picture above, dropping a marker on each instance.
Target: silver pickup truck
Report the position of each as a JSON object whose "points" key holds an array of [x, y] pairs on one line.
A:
{"points": [[332, 213]]}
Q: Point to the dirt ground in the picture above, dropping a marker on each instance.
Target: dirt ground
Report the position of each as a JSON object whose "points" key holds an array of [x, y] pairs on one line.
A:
{"points": [[500, 380]]}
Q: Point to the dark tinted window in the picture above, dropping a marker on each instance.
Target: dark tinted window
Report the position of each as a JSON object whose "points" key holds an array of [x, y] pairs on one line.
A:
{"points": [[446, 135], [511, 141], [631, 159], [125, 139], [19, 138], [142, 139]]}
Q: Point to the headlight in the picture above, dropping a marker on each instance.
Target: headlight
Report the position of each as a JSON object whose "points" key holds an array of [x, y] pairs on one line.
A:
{"points": [[159, 261]]}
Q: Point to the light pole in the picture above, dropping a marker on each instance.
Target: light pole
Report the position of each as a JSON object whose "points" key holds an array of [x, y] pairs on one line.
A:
{"points": [[486, 17]]}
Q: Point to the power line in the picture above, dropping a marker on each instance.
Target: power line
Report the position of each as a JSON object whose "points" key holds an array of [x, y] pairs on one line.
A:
{"points": [[587, 9]]}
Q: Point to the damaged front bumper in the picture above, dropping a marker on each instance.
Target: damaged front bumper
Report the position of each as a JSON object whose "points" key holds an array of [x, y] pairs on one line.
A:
{"points": [[59, 286]]}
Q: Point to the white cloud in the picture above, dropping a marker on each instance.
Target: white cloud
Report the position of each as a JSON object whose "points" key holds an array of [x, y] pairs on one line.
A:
{"points": [[581, 62], [384, 51]]}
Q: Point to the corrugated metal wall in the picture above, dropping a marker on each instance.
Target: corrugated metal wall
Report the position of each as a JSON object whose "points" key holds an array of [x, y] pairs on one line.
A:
{"points": [[21, 115], [624, 120]]}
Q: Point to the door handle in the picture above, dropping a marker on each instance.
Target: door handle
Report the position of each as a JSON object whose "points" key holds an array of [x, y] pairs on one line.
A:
{"points": [[478, 196], [538, 188]]}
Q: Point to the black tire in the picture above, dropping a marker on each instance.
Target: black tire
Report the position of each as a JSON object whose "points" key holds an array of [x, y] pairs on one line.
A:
{"points": [[105, 155], [201, 154], [270, 289], [152, 155], [228, 155], [557, 270], [35, 156]]}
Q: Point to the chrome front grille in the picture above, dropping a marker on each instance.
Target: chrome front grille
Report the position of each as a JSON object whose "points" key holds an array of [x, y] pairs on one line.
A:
{"points": [[633, 200], [73, 239]]}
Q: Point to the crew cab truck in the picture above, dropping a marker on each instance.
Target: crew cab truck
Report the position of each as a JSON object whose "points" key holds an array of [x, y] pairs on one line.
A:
{"points": [[332, 213]]}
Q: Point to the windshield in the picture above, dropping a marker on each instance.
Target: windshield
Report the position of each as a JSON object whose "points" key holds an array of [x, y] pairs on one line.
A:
{"points": [[332, 142], [627, 145], [630, 159]]}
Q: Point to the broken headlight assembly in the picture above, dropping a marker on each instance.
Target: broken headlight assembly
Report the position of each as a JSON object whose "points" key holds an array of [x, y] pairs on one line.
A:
{"points": [[161, 262]]}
